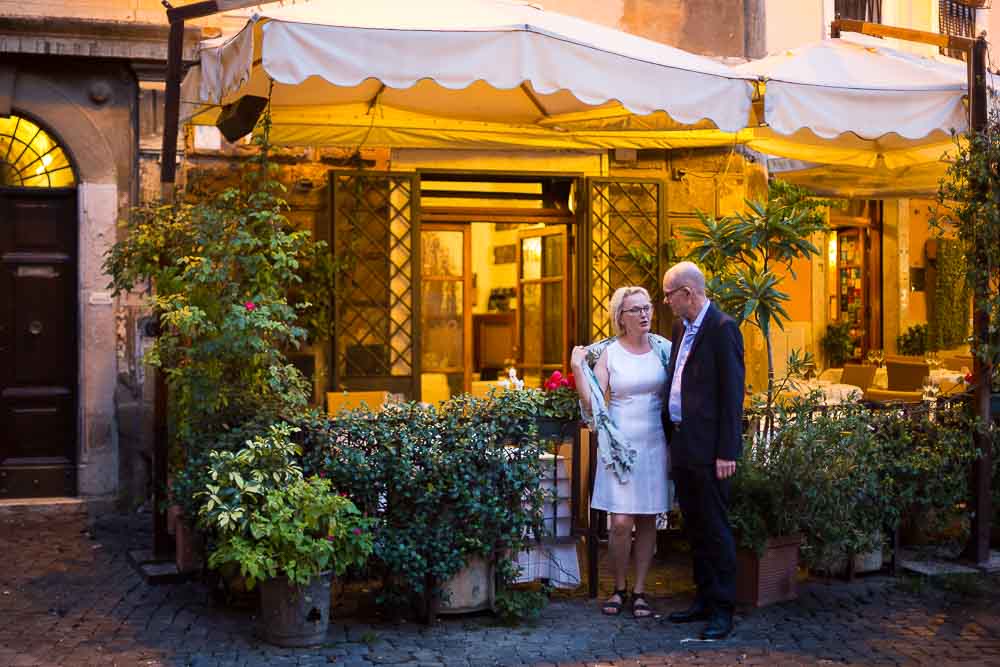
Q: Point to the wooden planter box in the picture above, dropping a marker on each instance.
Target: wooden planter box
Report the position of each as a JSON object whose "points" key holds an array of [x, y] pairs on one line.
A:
{"points": [[771, 578]]}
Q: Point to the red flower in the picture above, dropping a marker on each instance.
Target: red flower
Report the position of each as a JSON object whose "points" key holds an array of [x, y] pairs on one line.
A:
{"points": [[968, 378], [571, 381], [249, 305], [357, 531], [321, 473]]}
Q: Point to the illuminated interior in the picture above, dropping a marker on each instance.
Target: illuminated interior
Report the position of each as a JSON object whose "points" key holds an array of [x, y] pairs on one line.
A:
{"points": [[30, 157]]}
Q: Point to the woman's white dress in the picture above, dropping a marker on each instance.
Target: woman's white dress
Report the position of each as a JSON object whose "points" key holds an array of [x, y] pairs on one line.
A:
{"points": [[636, 383]]}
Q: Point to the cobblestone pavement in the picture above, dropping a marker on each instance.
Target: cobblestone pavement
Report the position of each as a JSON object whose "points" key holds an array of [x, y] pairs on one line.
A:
{"points": [[68, 596]]}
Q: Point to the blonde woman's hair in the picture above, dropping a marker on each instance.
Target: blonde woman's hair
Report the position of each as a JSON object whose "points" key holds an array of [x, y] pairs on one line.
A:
{"points": [[618, 300]]}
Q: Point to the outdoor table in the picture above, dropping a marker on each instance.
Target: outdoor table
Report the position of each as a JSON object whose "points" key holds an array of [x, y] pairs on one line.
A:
{"points": [[834, 393], [554, 557], [941, 376]]}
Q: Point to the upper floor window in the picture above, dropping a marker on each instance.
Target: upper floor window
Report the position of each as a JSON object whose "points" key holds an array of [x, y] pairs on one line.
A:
{"points": [[958, 19], [861, 10], [31, 157]]}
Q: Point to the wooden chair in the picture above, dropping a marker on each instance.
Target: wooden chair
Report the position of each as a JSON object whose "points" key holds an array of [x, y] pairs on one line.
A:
{"points": [[858, 375], [956, 362], [482, 388], [873, 395], [353, 400], [947, 388], [434, 388], [906, 375]]}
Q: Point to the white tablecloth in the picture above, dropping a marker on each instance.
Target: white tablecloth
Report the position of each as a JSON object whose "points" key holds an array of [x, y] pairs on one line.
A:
{"points": [[559, 563], [946, 376], [834, 393]]}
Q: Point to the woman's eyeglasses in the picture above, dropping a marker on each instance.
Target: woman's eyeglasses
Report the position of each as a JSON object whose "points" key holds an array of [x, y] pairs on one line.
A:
{"points": [[639, 310]]}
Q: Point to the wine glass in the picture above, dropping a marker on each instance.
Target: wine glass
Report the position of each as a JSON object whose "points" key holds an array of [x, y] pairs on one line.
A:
{"points": [[931, 390], [879, 356], [871, 357]]}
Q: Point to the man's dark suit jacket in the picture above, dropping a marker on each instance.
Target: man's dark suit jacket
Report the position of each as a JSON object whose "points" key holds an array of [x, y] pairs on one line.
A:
{"points": [[711, 392]]}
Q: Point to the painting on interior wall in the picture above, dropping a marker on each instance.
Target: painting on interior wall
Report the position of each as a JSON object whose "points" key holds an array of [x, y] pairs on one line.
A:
{"points": [[504, 254]]}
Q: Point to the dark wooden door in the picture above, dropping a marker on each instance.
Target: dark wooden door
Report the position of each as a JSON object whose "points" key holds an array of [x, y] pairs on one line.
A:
{"points": [[38, 342]]}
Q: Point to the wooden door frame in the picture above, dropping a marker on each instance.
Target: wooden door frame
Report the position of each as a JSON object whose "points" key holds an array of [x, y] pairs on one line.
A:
{"points": [[467, 343]]}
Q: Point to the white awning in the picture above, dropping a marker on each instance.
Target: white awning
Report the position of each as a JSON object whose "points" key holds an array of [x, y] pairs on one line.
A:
{"points": [[856, 85], [426, 64]]}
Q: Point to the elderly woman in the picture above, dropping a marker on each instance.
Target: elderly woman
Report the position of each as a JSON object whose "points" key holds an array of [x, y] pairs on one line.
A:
{"points": [[622, 397]]}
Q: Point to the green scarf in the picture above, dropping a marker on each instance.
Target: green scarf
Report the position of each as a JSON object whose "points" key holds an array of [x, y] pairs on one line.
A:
{"points": [[612, 447]]}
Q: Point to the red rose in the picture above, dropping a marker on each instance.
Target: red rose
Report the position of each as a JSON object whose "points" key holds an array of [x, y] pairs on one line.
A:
{"points": [[249, 305], [357, 531], [570, 381]]}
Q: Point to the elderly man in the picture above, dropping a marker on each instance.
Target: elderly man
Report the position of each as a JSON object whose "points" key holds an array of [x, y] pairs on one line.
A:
{"points": [[703, 422]]}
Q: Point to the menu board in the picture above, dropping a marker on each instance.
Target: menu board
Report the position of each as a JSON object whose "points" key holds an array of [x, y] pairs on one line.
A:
{"points": [[850, 286]]}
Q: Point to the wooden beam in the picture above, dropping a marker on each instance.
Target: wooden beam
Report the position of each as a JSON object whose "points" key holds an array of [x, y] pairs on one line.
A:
{"points": [[905, 34], [534, 99]]}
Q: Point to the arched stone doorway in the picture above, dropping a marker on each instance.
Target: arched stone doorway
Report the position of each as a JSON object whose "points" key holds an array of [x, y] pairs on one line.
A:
{"points": [[39, 342]]}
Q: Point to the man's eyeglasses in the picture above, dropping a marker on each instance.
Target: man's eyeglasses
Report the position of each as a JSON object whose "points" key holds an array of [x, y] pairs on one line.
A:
{"points": [[670, 292], [639, 310]]}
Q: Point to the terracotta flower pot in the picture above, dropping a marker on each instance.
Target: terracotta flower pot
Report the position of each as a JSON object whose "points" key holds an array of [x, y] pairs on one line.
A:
{"points": [[189, 546], [772, 577]]}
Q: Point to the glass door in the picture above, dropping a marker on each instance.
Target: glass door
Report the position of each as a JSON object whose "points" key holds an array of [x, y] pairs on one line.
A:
{"points": [[543, 302], [445, 311]]}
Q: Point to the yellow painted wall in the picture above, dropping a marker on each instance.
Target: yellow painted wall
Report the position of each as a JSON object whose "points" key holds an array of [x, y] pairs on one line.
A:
{"points": [[916, 311]]}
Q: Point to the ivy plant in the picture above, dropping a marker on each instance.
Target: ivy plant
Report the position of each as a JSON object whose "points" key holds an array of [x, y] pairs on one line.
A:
{"points": [[445, 483], [952, 297]]}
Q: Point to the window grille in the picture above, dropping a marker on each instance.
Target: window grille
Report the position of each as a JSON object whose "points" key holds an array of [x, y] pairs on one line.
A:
{"points": [[861, 10], [958, 20]]}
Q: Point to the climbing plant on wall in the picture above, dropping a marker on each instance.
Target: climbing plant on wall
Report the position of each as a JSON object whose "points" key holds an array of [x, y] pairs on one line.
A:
{"points": [[950, 318]]}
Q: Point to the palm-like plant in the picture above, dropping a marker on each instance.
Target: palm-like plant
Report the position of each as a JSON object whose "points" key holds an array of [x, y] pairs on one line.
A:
{"points": [[742, 254]]}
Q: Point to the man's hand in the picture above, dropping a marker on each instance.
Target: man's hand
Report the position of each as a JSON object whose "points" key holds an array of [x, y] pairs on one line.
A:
{"points": [[724, 468]]}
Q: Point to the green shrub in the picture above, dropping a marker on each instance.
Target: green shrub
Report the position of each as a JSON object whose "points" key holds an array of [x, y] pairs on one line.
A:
{"points": [[914, 341], [271, 521], [445, 483], [837, 343]]}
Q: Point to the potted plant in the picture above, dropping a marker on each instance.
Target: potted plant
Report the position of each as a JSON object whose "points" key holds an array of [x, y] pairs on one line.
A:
{"points": [[837, 343], [452, 486], [914, 341], [765, 510], [559, 406], [286, 532]]}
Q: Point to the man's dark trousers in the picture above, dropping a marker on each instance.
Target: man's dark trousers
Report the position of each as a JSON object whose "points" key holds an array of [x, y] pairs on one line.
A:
{"points": [[704, 501]]}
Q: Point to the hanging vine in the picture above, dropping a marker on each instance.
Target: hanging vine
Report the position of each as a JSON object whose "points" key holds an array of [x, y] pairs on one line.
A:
{"points": [[952, 295]]}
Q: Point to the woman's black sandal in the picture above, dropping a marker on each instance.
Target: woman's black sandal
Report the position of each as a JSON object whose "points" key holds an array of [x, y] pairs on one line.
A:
{"points": [[611, 608], [640, 607]]}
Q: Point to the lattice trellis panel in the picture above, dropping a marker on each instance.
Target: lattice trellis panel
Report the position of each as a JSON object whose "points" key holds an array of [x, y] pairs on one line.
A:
{"points": [[373, 233], [624, 244]]}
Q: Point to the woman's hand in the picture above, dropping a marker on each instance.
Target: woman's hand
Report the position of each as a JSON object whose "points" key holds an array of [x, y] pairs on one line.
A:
{"points": [[578, 358]]}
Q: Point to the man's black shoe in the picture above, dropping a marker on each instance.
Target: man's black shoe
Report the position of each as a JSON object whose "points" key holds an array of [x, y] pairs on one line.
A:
{"points": [[698, 611], [719, 625]]}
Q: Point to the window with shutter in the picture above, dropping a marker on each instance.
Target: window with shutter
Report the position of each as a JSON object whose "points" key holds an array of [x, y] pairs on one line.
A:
{"points": [[861, 10], [958, 19]]}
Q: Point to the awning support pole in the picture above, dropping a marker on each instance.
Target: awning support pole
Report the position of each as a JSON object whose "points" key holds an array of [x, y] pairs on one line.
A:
{"points": [[176, 16]]}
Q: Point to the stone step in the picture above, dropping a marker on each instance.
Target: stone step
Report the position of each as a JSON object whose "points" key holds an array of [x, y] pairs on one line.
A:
{"points": [[43, 508]]}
